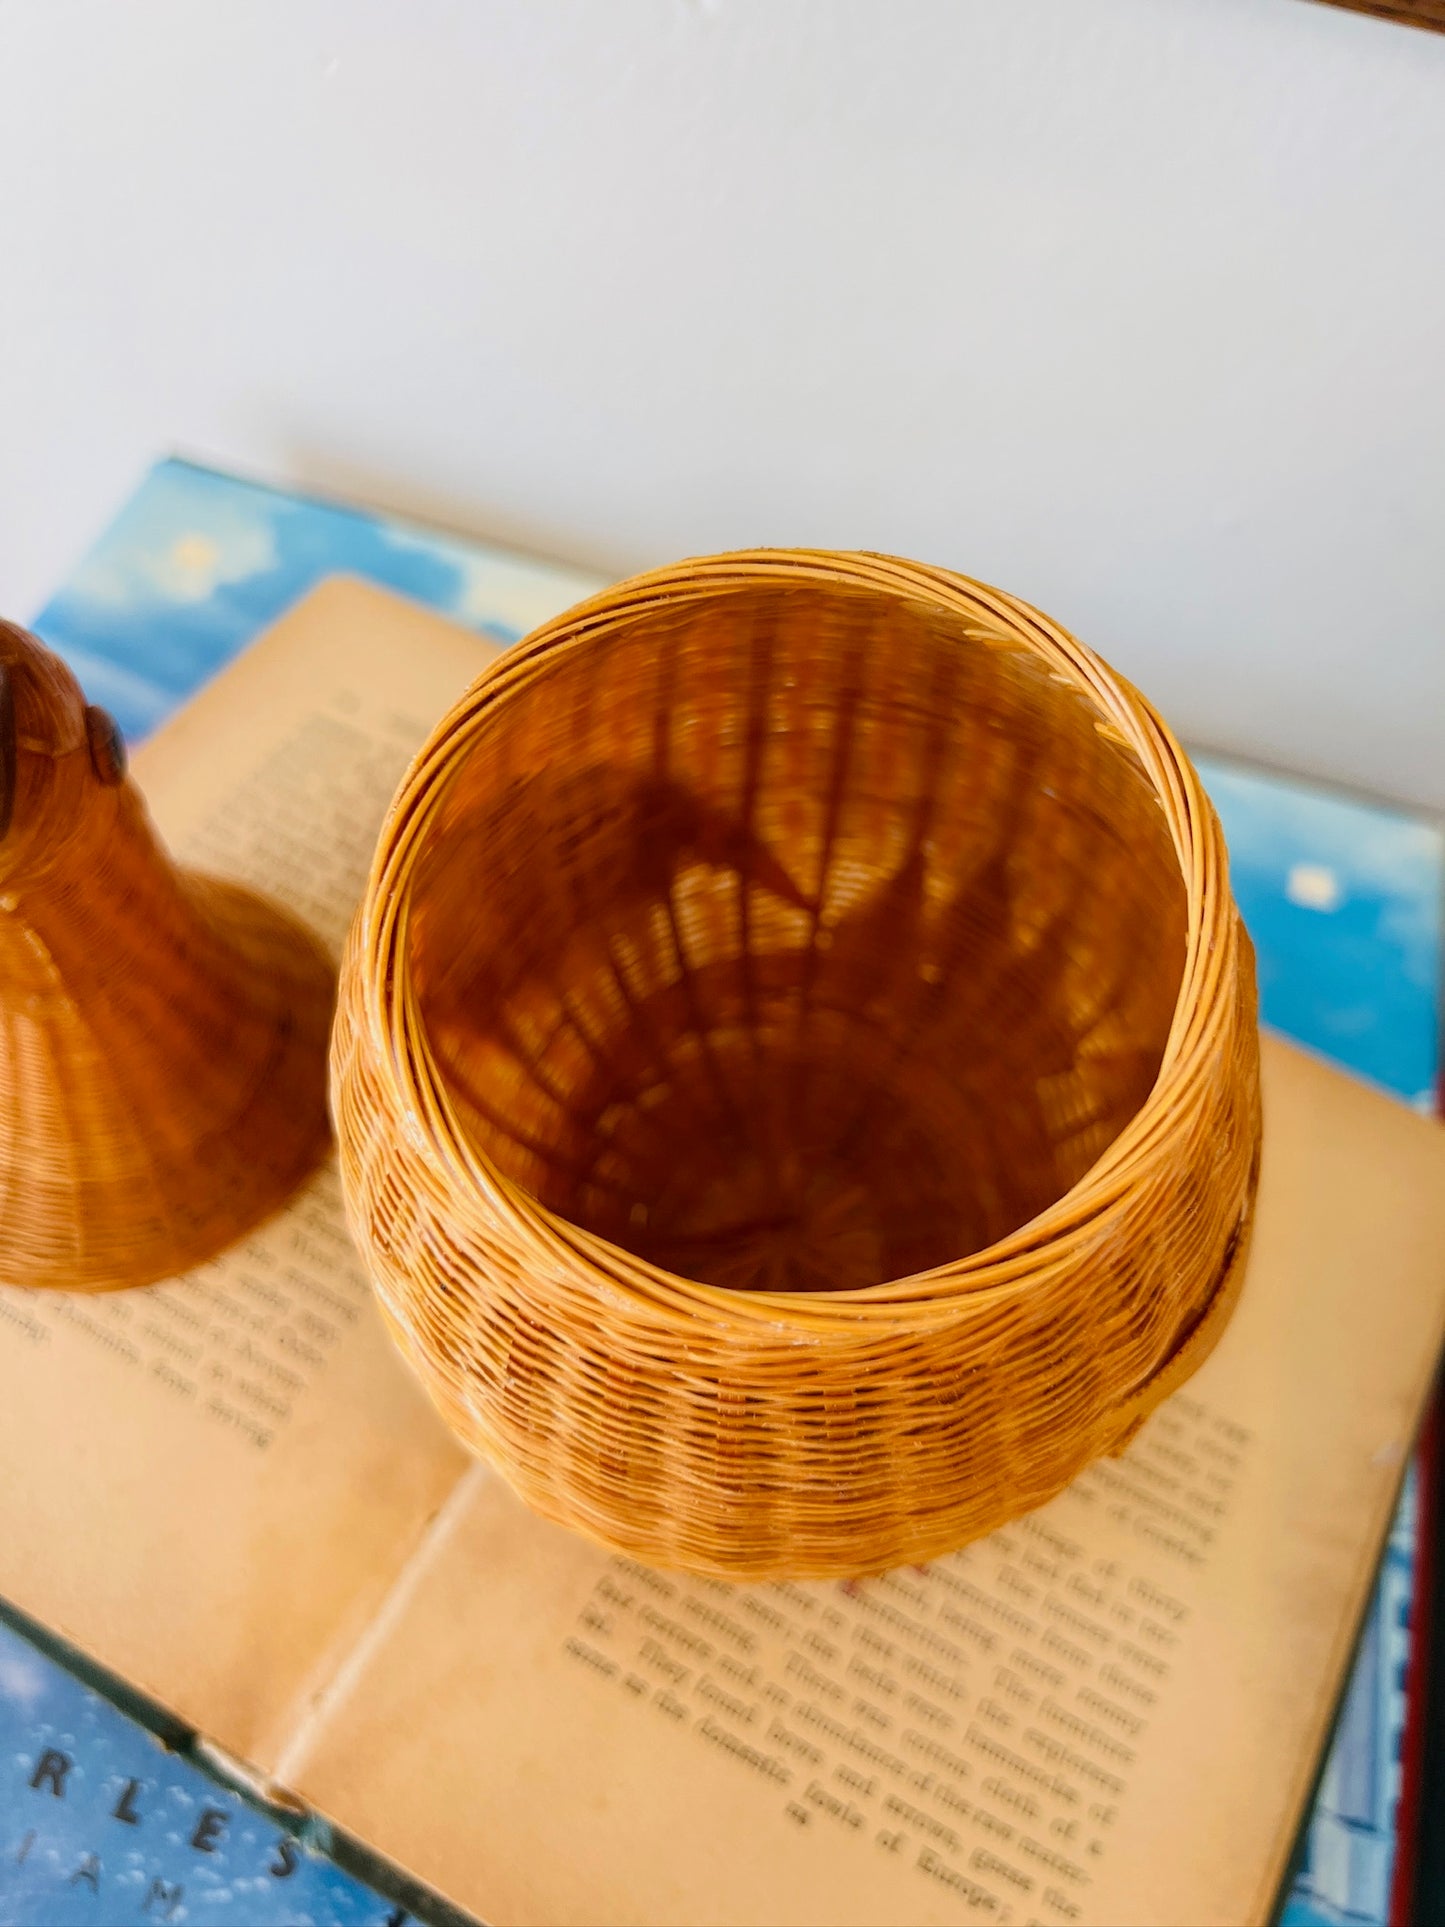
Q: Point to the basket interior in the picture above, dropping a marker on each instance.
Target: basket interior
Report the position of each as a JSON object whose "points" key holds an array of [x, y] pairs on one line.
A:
{"points": [[796, 940]]}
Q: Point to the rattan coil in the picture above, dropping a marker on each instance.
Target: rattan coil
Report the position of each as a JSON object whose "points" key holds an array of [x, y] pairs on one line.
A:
{"points": [[796, 1070]]}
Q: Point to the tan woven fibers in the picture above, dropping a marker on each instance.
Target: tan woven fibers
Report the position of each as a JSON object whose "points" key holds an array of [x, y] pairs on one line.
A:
{"points": [[162, 1035], [796, 1069]]}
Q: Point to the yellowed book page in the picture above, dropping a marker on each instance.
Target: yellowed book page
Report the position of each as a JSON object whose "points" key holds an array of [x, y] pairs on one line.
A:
{"points": [[208, 1485], [1108, 1713]]}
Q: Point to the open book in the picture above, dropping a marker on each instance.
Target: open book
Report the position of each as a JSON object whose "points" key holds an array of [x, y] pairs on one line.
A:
{"points": [[228, 1490]]}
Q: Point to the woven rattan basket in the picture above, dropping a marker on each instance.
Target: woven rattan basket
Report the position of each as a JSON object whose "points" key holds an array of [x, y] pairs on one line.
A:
{"points": [[796, 1071], [163, 1034]]}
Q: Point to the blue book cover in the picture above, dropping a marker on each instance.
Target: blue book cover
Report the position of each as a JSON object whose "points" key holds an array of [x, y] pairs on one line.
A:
{"points": [[1344, 901]]}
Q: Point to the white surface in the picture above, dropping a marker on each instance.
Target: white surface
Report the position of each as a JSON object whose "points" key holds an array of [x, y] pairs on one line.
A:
{"points": [[1133, 306]]}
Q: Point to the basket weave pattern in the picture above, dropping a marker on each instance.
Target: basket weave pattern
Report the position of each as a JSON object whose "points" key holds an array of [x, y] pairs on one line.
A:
{"points": [[163, 1034], [796, 1070]]}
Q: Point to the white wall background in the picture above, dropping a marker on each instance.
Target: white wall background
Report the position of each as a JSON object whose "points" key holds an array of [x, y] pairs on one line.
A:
{"points": [[1136, 307]]}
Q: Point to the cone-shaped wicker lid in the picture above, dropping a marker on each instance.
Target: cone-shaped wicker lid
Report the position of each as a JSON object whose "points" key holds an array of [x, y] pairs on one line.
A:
{"points": [[162, 1035]]}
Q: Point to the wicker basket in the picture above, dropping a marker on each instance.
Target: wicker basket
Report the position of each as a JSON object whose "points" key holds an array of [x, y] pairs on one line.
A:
{"points": [[162, 1035], [796, 1071]]}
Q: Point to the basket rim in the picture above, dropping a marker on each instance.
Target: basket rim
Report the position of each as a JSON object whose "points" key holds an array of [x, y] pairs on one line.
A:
{"points": [[1027, 1258]]}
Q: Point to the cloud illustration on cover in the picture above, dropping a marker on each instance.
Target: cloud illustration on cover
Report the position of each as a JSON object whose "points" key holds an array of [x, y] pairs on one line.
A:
{"points": [[23, 1680], [1345, 902], [198, 563]]}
